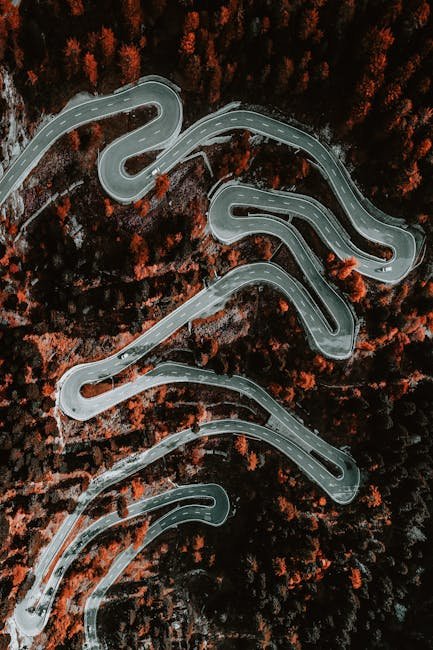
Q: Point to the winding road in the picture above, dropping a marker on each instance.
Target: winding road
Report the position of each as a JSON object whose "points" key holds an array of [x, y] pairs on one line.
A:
{"points": [[280, 420], [229, 228], [163, 133], [330, 323], [214, 515], [32, 613], [337, 343]]}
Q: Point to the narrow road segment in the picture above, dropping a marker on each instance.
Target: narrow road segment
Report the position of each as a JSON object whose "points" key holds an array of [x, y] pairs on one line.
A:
{"points": [[339, 477]]}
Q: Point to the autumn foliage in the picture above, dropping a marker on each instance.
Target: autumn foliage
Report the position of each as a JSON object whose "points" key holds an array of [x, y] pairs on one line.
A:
{"points": [[76, 7], [88, 275], [355, 578], [241, 445], [91, 68], [108, 43], [72, 55], [162, 184], [130, 63]]}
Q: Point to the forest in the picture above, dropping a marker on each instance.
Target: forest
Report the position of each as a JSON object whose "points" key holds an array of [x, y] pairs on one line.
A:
{"points": [[81, 276]]}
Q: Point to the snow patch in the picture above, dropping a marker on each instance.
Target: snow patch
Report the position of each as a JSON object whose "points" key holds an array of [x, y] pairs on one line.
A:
{"points": [[17, 640], [257, 139], [14, 132], [76, 231], [400, 612], [78, 99], [416, 535]]}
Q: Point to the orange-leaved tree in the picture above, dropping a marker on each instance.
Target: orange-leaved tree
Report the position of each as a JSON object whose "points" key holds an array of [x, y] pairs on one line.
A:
{"points": [[162, 183], [76, 7], [130, 63], [72, 53], [108, 43], [241, 445], [90, 68]]}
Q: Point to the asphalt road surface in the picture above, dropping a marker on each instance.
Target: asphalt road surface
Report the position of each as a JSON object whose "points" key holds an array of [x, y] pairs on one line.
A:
{"points": [[229, 228], [334, 342], [154, 91], [370, 222], [332, 334], [339, 478], [214, 515], [32, 613], [279, 420], [163, 134]]}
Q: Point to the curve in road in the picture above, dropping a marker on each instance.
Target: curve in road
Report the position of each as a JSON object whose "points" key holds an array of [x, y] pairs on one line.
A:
{"points": [[163, 133], [372, 224], [150, 91], [280, 420], [32, 613], [214, 515], [336, 343], [229, 228]]}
